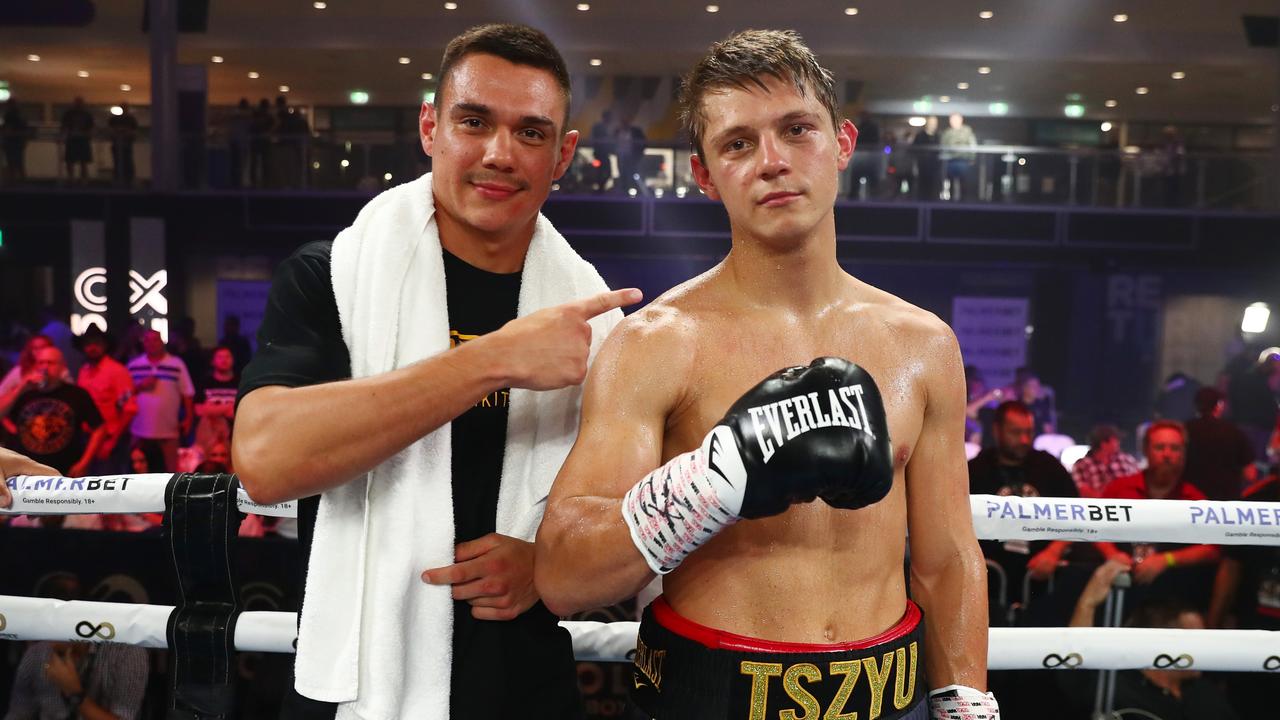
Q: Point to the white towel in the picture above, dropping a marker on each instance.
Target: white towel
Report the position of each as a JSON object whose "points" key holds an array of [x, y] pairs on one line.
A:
{"points": [[373, 636]]}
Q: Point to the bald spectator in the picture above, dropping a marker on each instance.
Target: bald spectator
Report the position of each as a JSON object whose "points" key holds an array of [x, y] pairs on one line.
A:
{"points": [[1219, 454], [56, 422], [165, 396], [1104, 463]]}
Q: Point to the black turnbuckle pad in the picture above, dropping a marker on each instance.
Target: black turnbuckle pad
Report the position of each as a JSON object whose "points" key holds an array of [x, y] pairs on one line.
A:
{"points": [[201, 522]]}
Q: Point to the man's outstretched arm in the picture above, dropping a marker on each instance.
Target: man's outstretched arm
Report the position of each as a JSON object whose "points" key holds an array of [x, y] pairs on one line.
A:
{"points": [[299, 441]]}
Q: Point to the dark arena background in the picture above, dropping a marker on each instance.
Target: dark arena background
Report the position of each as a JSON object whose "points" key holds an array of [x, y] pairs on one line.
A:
{"points": [[1087, 192]]}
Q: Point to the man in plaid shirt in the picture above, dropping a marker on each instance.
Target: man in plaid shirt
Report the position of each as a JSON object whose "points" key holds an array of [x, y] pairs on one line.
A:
{"points": [[1104, 463]]}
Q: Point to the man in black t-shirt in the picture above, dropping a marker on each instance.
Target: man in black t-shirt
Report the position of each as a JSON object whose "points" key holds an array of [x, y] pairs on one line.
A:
{"points": [[1013, 467], [498, 140], [56, 422], [216, 399]]}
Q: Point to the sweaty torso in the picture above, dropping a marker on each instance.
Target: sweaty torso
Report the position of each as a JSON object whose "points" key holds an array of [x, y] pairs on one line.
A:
{"points": [[813, 574]]}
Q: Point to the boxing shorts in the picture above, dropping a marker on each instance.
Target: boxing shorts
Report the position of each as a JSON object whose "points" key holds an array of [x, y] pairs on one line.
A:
{"points": [[683, 670]]}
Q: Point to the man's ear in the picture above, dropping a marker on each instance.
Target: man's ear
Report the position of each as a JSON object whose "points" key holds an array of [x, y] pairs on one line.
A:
{"points": [[568, 146], [702, 176], [427, 127], [846, 141]]}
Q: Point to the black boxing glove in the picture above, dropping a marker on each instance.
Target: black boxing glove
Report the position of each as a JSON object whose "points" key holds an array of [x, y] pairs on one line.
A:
{"points": [[802, 433]]}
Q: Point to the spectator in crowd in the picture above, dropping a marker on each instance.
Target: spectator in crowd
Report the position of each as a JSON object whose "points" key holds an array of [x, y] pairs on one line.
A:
{"points": [[111, 387], [603, 144], [1177, 398], [1165, 694], [53, 325], [13, 137], [1219, 455], [56, 423], [959, 164], [924, 147], [292, 133], [11, 385], [216, 399], [981, 405], [77, 139], [1173, 164], [629, 144], [1038, 398], [124, 132], [1246, 596], [261, 126], [184, 343], [89, 680], [165, 396], [1251, 393], [1104, 463], [1012, 467], [237, 343], [239, 137], [1169, 569]]}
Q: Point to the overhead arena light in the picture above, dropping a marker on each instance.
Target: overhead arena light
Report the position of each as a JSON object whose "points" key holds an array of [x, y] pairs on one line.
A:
{"points": [[998, 108], [359, 97], [1255, 318], [916, 121], [1074, 110]]}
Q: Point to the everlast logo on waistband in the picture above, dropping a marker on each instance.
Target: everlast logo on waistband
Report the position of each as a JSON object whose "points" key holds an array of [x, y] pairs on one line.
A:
{"points": [[649, 662], [900, 663], [780, 422]]}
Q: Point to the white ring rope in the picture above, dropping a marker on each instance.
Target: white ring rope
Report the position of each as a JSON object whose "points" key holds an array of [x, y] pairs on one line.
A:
{"points": [[110, 494], [24, 618], [994, 517]]}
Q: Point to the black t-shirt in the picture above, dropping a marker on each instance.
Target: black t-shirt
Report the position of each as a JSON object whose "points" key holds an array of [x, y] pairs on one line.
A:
{"points": [[1258, 596], [500, 669], [1040, 475], [1217, 453], [218, 392], [52, 424]]}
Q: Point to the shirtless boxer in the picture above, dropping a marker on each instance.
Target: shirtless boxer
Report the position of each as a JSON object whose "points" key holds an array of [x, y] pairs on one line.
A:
{"points": [[774, 609]]}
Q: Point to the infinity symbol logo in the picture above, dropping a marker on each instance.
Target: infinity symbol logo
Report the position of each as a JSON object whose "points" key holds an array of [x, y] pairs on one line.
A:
{"points": [[1054, 660], [147, 291], [1164, 662], [1271, 663], [4, 623], [86, 629]]}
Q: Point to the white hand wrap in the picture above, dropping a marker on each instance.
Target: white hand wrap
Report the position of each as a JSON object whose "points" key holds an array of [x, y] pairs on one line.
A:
{"points": [[957, 702], [682, 504]]}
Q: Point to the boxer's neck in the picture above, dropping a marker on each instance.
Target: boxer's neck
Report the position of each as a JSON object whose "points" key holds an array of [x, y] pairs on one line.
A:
{"points": [[805, 276]]}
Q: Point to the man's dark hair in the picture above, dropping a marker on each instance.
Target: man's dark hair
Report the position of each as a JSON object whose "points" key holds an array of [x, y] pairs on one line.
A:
{"points": [[518, 44], [1161, 613], [741, 61], [1101, 434], [1207, 398], [1010, 407]]}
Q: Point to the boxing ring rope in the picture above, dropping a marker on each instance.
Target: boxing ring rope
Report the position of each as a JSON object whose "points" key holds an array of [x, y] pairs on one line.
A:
{"points": [[1009, 648], [995, 518]]}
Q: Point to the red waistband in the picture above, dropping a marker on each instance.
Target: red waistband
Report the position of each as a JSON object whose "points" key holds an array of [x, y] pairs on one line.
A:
{"points": [[724, 640]]}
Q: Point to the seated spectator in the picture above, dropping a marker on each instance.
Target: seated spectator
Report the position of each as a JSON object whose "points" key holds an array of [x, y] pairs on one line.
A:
{"points": [[94, 681], [1182, 570], [1246, 596], [1012, 467], [1104, 463], [980, 405], [1166, 694], [144, 458], [1219, 454]]}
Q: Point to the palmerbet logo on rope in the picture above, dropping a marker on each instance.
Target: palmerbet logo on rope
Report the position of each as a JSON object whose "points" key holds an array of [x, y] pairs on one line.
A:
{"points": [[37, 483]]}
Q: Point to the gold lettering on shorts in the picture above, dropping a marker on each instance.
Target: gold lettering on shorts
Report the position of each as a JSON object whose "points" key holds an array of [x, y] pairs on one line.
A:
{"points": [[850, 669], [905, 676], [878, 677], [802, 697], [649, 662], [760, 674]]}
